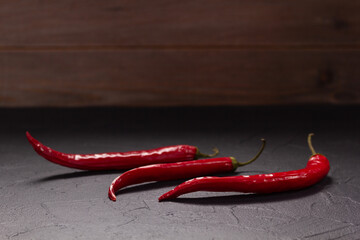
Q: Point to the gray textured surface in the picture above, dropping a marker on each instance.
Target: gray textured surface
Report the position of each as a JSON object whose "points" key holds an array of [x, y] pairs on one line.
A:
{"points": [[40, 200]]}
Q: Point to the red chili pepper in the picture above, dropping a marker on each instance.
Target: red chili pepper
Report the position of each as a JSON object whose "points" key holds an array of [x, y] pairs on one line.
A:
{"points": [[180, 170], [118, 160], [315, 170]]}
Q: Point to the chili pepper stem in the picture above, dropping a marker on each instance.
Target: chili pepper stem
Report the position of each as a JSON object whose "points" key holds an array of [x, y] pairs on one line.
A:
{"points": [[310, 144], [203, 155], [239, 164]]}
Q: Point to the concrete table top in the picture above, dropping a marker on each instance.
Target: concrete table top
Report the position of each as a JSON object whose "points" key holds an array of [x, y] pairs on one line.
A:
{"points": [[41, 200]]}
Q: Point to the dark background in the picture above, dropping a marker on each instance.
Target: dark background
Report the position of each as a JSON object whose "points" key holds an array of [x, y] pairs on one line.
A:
{"points": [[170, 53], [106, 76]]}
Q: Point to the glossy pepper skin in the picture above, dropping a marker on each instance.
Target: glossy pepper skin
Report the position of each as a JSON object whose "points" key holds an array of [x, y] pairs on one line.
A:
{"points": [[316, 169], [117, 160], [172, 171]]}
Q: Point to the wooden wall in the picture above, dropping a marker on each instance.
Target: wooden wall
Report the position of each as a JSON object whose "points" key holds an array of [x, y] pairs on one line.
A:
{"points": [[170, 53]]}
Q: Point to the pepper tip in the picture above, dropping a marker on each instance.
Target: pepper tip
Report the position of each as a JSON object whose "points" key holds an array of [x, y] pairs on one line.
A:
{"points": [[166, 196], [163, 197], [30, 138], [112, 196]]}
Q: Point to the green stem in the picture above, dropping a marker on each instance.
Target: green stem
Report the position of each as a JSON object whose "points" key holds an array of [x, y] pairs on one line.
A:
{"points": [[200, 155], [310, 144], [238, 164]]}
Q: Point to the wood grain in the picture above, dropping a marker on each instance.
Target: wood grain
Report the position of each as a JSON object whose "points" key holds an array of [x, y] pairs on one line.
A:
{"points": [[178, 77], [174, 24], [171, 53]]}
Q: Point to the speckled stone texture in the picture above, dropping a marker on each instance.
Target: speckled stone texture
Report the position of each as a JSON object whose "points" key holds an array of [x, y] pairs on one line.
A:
{"points": [[41, 200]]}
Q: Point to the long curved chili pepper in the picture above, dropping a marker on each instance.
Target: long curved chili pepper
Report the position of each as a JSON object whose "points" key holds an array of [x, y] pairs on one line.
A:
{"points": [[118, 160], [180, 170], [315, 170]]}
